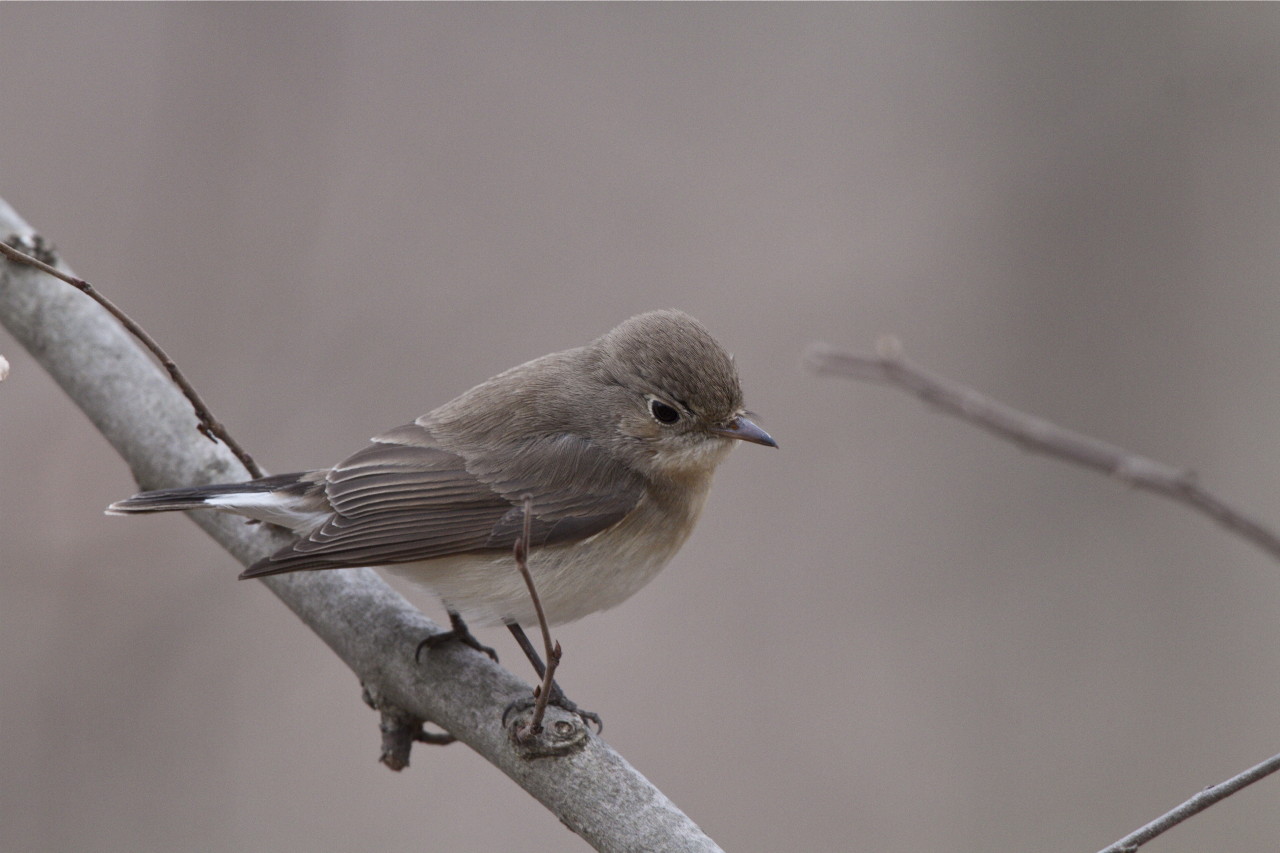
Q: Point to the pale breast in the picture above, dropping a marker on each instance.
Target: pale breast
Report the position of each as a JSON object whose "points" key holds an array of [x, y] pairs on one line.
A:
{"points": [[572, 581]]}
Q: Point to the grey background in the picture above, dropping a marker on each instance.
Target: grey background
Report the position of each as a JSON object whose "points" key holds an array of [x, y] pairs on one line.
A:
{"points": [[895, 632]]}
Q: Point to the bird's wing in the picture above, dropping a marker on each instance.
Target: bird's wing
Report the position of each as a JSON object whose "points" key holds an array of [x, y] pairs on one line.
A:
{"points": [[404, 498]]}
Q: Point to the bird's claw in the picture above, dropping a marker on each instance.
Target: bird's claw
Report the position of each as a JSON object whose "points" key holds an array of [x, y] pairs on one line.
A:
{"points": [[557, 698], [465, 637]]}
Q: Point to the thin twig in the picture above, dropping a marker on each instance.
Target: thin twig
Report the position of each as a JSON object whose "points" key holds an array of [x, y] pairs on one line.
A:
{"points": [[207, 424], [1041, 436], [1194, 806], [400, 731], [542, 693]]}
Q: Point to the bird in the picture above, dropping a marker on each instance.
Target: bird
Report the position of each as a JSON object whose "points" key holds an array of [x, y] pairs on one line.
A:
{"points": [[612, 445]]}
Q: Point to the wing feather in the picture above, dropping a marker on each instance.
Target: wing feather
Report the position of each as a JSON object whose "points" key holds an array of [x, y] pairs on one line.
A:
{"points": [[406, 498]]}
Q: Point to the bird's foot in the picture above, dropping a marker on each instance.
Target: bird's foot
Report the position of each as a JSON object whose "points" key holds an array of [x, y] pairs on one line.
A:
{"points": [[457, 632], [557, 698]]}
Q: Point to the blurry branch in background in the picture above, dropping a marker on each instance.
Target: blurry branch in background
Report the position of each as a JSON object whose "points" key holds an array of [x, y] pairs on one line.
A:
{"points": [[588, 786], [888, 367], [1194, 806], [1038, 435]]}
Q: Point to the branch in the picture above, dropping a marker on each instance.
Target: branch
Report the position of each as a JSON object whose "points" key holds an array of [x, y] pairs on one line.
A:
{"points": [[208, 425], [541, 693], [1194, 806], [592, 790], [1041, 436]]}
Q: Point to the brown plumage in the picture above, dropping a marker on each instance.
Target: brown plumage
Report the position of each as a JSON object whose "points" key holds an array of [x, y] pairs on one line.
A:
{"points": [[614, 442]]}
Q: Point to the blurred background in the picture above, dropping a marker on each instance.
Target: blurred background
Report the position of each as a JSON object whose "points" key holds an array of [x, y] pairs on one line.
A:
{"points": [[895, 632]]}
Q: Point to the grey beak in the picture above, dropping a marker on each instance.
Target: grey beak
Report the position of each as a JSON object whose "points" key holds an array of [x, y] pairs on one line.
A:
{"points": [[744, 430]]}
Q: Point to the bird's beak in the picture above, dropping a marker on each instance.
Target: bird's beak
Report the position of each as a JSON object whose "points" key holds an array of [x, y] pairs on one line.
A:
{"points": [[744, 430]]}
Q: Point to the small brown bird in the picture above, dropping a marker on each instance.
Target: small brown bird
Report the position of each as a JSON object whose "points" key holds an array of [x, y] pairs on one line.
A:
{"points": [[615, 443]]}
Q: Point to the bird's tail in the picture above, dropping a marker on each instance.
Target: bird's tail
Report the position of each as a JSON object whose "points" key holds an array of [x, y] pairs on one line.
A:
{"points": [[226, 496]]}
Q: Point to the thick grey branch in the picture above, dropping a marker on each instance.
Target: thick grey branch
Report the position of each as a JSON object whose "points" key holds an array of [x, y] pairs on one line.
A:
{"points": [[594, 791]]}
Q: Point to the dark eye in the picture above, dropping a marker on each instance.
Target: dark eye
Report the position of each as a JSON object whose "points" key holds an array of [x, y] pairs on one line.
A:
{"points": [[662, 413]]}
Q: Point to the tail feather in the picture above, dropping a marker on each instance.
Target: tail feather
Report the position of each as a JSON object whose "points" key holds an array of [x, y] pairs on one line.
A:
{"points": [[196, 497]]}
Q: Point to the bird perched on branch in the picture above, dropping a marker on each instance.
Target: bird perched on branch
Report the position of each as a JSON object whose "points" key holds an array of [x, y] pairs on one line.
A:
{"points": [[613, 442]]}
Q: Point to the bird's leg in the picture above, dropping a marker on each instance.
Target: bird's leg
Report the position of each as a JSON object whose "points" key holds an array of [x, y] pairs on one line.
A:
{"points": [[557, 696], [458, 631]]}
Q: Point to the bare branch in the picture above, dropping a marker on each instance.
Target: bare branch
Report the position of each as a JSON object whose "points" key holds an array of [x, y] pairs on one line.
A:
{"points": [[594, 791], [1041, 436], [206, 423], [1194, 806], [542, 693], [400, 731]]}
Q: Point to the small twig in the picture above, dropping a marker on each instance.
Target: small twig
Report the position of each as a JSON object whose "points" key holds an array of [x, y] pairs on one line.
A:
{"points": [[206, 423], [1041, 436], [400, 731], [1194, 806], [542, 693]]}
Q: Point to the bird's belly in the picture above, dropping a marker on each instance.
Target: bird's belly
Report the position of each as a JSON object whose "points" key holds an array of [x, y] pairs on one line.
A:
{"points": [[572, 581]]}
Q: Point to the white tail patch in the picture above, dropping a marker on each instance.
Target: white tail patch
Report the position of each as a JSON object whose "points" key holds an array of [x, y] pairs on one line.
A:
{"points": [[288, 511]]}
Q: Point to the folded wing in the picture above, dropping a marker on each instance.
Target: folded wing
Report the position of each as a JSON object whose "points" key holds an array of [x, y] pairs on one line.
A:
{"points": [[405, 498]]}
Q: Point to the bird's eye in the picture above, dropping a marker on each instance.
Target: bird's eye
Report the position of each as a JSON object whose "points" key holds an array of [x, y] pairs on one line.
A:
{"points": [[662, 413]]}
